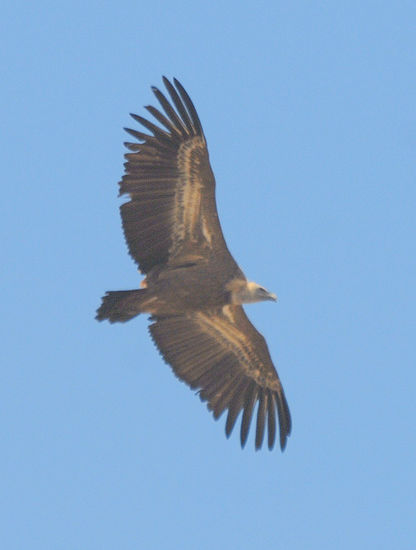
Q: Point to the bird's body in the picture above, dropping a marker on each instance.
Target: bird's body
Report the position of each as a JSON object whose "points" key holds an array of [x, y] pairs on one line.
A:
{"points": [[193, 287]]}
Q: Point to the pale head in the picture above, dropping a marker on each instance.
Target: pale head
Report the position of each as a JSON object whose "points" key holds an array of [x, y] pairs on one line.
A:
{"points": [[252, 292]]}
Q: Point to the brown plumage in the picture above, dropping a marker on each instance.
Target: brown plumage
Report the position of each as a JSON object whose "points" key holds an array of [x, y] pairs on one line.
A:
{"points": [[193, 287]]}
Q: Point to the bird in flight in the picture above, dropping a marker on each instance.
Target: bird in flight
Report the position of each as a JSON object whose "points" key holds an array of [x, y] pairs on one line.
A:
{"points": [[193, 288]]}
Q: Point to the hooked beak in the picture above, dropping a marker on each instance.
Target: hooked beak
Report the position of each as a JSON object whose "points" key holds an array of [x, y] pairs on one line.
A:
{"points": [[272, 297]]}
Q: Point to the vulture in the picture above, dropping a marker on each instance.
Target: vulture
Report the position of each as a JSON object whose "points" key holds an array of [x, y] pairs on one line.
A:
{"points": [[193, 289]]}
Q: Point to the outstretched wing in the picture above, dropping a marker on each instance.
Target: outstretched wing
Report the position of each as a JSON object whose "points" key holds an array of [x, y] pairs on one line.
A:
{"points": [[221, 353], [172, 214]]}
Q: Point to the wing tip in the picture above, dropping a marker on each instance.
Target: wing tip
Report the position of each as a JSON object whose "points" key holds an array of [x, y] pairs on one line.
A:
{"points": [[267, 407]]}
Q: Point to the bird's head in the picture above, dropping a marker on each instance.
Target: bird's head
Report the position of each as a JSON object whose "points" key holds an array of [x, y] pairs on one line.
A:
{"points": [[252, 292]]}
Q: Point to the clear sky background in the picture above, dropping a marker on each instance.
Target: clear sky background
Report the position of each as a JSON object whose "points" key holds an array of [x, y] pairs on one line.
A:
{"points": [[309, 112]]}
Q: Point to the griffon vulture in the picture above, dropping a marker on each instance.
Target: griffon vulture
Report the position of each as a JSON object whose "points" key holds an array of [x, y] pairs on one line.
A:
{"points": [[193, 288]]}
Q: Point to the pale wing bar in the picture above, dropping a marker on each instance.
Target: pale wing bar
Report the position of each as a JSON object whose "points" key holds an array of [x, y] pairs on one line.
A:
{"points": [[154, 176], [231, 368]]}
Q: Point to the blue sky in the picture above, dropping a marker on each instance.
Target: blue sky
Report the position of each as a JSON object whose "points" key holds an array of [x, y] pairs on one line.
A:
{"points": [[309, 112]]}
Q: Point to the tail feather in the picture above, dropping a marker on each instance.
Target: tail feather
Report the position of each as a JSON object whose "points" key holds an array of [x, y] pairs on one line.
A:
{"points": [[122, 305]]}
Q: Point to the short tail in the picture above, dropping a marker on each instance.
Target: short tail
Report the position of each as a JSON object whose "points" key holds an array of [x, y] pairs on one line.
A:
{"points": [[122, 305]]}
